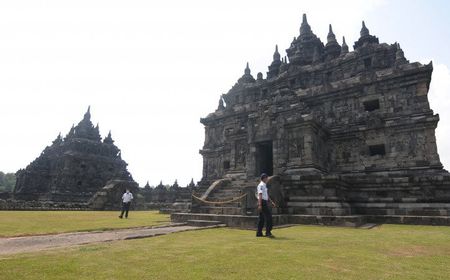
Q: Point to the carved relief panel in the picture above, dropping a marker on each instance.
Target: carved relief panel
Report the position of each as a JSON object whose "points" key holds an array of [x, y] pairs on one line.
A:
{"points": [[241, 151], [296, 146]]}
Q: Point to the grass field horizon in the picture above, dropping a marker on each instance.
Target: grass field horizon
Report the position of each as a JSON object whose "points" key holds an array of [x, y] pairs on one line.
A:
{"points": [[298, 252], [24, 223]]}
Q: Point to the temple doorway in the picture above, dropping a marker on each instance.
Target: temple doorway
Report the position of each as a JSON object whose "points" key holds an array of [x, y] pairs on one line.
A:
{"points": [[264, 158]]}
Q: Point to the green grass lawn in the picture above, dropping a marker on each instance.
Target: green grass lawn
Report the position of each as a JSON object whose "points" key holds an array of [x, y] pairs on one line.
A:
{"points": [[300, 252], [18, 223]]}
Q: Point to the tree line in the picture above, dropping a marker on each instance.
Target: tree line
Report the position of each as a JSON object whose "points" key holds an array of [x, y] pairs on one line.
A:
{"points": [[7, 181]]}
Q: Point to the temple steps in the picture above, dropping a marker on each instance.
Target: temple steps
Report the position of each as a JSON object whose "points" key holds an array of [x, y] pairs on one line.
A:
{"points": [[321, 211], [314, 198], [225, 194], [401, 209], [377, 208], [218, 204], [220, 210], [230, 192], [249, 222], [203, 223], [239, 221], [317, 204]]}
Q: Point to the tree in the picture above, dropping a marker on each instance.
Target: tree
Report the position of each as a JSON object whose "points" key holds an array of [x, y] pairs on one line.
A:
{"points": [[7, 181]]}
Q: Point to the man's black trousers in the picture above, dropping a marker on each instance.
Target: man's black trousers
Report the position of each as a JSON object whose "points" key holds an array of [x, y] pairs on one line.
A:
{"points": [[265, 216], [125, 208]]}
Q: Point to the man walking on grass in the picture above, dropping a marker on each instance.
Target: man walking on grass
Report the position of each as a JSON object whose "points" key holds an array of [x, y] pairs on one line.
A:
{"points": [[265, 213], [127, 197]]}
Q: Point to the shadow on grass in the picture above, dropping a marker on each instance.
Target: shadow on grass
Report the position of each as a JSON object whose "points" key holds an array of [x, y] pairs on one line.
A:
{"points": [[281, 238], [276, 238]]}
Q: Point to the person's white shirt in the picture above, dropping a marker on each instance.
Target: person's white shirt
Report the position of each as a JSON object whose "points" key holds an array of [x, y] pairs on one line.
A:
{"points": [[262, 189], [127, 197]]}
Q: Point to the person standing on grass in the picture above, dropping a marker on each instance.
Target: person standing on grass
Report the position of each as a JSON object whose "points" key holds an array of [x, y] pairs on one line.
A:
{"points": [[265, 213], [127, 197]]}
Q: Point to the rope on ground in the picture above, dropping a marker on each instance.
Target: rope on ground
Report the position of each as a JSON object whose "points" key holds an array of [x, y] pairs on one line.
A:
{"points": [[220, 202]]}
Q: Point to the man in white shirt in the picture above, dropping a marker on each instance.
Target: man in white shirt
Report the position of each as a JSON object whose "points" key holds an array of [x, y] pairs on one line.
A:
{"points": [[127, 197], [265, 213]]}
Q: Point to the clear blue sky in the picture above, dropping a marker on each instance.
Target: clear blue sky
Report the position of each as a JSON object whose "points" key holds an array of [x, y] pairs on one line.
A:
{"points": [[421, 26]]}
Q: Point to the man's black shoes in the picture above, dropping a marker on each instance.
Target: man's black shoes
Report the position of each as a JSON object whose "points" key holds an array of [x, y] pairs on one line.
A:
{"points": [[267, 235]]}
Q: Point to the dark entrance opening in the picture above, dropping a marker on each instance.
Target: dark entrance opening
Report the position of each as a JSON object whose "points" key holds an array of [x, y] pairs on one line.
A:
{"points": [[377, 150], [264, 158]]}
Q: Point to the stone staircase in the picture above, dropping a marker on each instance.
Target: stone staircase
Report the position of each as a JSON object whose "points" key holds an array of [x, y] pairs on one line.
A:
{"points": [[203, 223], [227, 195]]}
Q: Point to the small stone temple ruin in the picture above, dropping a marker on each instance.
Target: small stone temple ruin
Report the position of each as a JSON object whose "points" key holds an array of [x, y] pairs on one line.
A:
{"points": [[343, 133], [74, 167], [84, 171]]}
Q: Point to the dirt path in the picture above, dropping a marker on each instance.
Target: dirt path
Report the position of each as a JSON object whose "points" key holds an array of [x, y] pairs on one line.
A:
{"points": [[14, 245]]}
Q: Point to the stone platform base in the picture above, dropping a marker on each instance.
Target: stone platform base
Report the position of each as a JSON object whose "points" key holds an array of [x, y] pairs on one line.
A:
{"points": [[410, 220], [249, 222], [203, 223], [238, 221], [20, 205]]}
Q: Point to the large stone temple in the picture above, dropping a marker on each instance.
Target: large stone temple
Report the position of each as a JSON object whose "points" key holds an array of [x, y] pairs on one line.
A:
{"points": [[344, 134], [73, 168]]}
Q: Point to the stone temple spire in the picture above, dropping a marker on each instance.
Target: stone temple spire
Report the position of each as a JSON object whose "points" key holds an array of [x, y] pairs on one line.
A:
{"points": [[247, 77], [364, 31], [332, 48], [108, 139], [97, 129], [331, 38], [191, 184], [85, 128], [400, 56], [276, 54], [221, 105], [247, 70], [87, 115], [344, 46], [365, 38], [284, 65], [259, 76], [71, 132], [147, 186], [160, 186], [274, 68], [58, 140], [302, 49], [305, 28]]}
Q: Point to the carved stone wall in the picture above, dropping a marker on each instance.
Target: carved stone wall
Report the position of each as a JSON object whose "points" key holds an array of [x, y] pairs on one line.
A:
{"points": [[347, 134], [326, 110]]}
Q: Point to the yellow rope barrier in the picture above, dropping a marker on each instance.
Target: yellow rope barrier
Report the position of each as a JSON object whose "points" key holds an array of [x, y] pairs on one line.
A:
{"points": [[219, 202]]}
